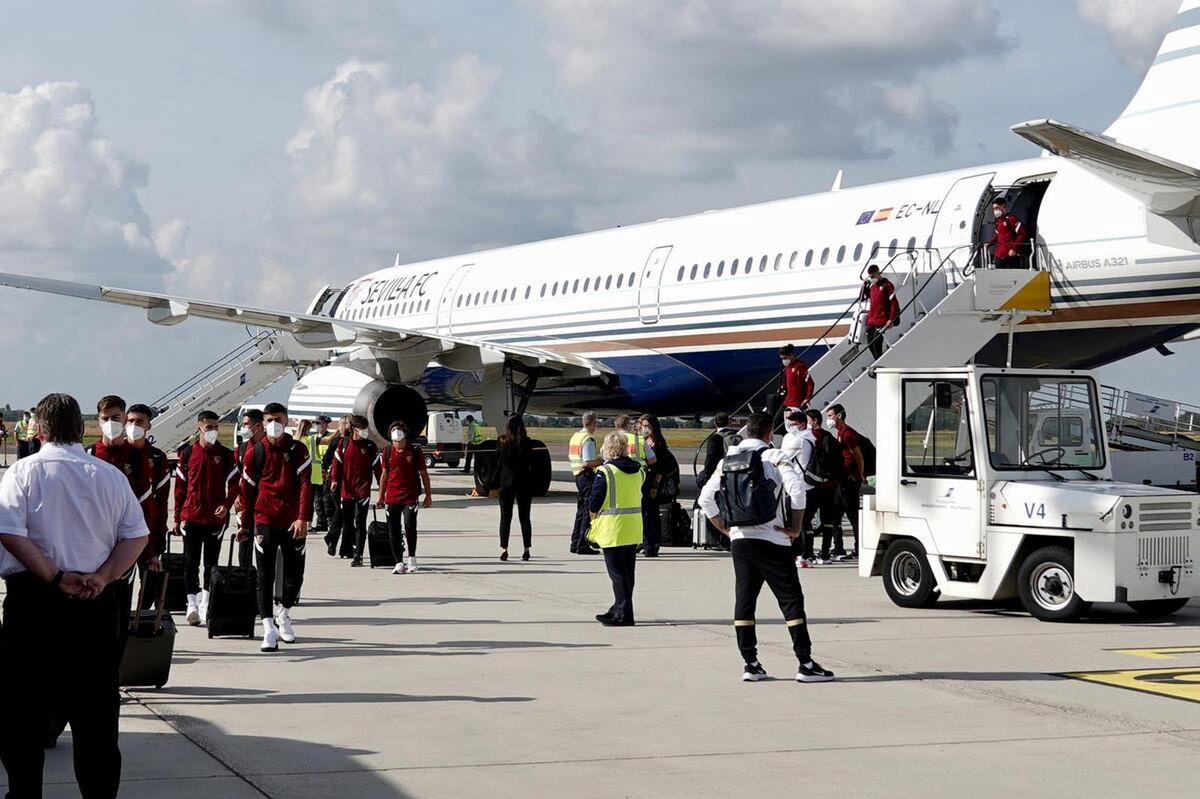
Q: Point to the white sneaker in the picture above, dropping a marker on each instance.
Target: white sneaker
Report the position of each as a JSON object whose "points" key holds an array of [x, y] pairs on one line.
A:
{"points": [[193, 612], [412, 565], [399, 569], [284, 620], [270, 641]]}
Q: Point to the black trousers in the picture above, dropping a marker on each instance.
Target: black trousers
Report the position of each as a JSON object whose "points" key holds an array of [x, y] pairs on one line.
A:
{"points": [[817, 500], [354, 520], [275, 540], [1013, 262], [402, 516], [201, 543], [620, 562], [523, 500], [468, 455], [848, 494], [755, 562], [875, 340], [583, 519], [318, 500], [651, 526], [22, 449], [71, 677]]}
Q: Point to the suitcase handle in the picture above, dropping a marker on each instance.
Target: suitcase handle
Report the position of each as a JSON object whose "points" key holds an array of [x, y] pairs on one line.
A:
{"points": [[135, 617]]}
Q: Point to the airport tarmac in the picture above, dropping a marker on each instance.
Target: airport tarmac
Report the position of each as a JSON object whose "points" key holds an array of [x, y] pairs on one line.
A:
{"points": [[481, 678]]}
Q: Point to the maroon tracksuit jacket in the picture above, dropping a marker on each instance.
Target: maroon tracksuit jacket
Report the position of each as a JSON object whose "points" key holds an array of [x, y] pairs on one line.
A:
{"points": [[357, 461], [206, 478], [149, 475], [280, 492]]}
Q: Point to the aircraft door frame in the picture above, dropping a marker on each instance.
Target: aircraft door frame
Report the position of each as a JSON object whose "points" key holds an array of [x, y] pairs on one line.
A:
{"points": [[650, 284], [445, 309], [957, 219]]}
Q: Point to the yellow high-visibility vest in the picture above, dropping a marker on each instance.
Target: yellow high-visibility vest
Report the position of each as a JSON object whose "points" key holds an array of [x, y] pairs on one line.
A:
{"points": [[575, 450], [316, 451], [24, 430], [474, 433], [619, 522], [636, 447]]}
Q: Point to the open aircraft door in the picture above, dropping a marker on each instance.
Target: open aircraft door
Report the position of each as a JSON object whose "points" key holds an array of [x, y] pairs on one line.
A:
{"points": [[445, 306], [958, 219], [650, 283]]}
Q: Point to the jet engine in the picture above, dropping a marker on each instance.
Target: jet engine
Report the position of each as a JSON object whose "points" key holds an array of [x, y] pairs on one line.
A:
{"points": [[337, 391]]}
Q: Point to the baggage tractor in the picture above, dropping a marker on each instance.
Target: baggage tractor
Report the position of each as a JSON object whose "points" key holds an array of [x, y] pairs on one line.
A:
{"points": [[379, 543], [704, 535], [150, 645], [232, 604], [173, 565]]}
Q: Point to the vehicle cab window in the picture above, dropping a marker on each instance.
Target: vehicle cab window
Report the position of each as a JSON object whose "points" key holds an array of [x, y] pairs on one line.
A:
{"points": [[937, 429], [1035, 423]]}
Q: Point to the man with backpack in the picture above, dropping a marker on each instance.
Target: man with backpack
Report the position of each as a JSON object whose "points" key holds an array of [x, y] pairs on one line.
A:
{"points": [[883, 309], [822, 475], [745, 501], [355, 463], [854, 474]]}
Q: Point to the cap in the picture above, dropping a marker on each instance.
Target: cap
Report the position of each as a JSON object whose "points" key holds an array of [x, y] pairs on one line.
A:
{"points": [[324, 418]]}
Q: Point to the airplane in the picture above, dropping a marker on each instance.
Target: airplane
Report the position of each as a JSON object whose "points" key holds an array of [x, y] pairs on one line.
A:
{"points": [[685, 316]]}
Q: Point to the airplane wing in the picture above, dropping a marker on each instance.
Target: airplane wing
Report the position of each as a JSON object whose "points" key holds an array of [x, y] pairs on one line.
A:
{"points": [[316, 332], [1166, 187]]}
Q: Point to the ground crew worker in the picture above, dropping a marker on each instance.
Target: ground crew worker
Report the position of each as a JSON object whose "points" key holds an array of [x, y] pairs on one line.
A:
{"points": [[25, 431], [883, 309], [251, 431], [473, 436], [206, 486], [1011, 243], [615, 508], [798, 387], [638, 448], [357, 459], [316, 448], [403, 480], [276, 493], [763, 553], [849, 490], [123, 444], [584, 456]]}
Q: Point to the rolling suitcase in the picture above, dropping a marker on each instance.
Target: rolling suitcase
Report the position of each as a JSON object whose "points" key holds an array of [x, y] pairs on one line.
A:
{"points": [[675, 524], [379, 543], [150, 645], [704, 535], [173, 566], [232, 603]]}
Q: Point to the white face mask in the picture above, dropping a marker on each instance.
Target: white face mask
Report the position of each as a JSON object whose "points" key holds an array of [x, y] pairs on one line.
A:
{"points": [[831, 423], [274, 429], [786, 361], [397, 435], [111, 429], [364, 433], [134, 432], [210, 436], [873, 279]]}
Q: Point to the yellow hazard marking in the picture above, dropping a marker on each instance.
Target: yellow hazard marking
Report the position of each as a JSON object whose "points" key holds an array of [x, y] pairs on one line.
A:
{"points": [[1161, 652], [1178, 683], [1033, 296]]}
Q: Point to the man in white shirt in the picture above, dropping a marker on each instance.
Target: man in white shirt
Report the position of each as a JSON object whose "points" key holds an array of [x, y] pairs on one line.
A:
{"points": [[763, 553], [70, 526]]}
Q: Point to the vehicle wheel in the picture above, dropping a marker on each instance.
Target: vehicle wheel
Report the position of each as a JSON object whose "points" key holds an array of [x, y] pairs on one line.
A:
{"points": [[1046, 583], [429, 461], [1151, 608], [907, 577], [485, 462]]}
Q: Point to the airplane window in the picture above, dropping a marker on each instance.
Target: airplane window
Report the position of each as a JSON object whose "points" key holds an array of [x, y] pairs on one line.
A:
{"points": [[426, 308], [841, 253], [795, 255], [707, 269], [762, 266], [504, 296], [608, 283], [912, 244], [695, 268], [554, 289], [528, 289], [495, 295], [858, 251], [733, 268], [543, 294], [825, 256], [575, 287], [587, 281], [631, 280], [720, 269], [929, 243], [566, 285], [778, 261], [892, 247], [874, 250], [807, 258], [459, 303]]}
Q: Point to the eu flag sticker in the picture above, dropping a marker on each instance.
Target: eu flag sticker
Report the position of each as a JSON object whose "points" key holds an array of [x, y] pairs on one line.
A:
{"points": [[866, 217]]}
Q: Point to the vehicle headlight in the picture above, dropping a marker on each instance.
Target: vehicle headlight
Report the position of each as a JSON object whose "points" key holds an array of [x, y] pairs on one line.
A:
{"points": [[1127, 511]]}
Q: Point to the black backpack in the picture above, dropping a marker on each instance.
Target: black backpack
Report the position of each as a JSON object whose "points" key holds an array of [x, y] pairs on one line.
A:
{"points": [[868, 455], [827, 463], [746, 497]]}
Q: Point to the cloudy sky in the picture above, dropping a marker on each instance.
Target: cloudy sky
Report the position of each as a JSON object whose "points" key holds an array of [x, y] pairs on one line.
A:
{"points": [[259, 149]]}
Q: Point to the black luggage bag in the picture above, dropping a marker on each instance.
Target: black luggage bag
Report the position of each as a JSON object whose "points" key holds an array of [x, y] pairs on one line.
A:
{"points": [[379, 543], [232, 598], [173, 566], [676, 525], [150, 646]]}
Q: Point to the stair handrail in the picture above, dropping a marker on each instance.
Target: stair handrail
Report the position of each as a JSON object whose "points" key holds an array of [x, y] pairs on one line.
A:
{"points": [[906, 306], [164, 402]]}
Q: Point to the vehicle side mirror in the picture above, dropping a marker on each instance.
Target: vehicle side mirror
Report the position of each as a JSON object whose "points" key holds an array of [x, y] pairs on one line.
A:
{"points": [[943, 394]]}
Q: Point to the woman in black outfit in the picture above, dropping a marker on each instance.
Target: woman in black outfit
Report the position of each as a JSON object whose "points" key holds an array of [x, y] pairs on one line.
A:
{"points": [[661, 486], [513, 476]]}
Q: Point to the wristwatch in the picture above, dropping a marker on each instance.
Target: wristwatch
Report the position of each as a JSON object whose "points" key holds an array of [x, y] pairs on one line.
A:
{"points": [[57, 578]]}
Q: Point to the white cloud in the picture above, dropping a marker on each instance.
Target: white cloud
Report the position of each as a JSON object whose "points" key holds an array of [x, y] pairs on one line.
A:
{"points": [[690, 88], [1134, 27]]}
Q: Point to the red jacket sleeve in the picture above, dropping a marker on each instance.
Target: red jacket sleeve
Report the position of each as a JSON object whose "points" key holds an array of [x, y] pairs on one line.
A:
{"points": [[893, 304], [335, 470], [249, 488]]}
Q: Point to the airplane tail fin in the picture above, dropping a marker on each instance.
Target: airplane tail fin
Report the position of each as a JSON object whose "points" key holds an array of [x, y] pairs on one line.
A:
{"points": [[1165, 113]]}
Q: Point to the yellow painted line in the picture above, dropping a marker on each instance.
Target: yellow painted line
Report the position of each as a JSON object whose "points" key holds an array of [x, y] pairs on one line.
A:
{"points": [[1159, 653], [1178, 683]]}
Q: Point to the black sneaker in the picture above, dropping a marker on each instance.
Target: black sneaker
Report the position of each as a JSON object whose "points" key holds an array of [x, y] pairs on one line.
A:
{"points": [[813, 672], [754, 672], [356, 562]]}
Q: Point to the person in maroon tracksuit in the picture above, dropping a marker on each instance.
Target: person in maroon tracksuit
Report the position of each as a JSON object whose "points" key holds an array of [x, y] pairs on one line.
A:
{"points": [[123, 444], [403, 481], [355, 463], [883, 309], [277, 496], [1011, 244], [206, 486]]}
